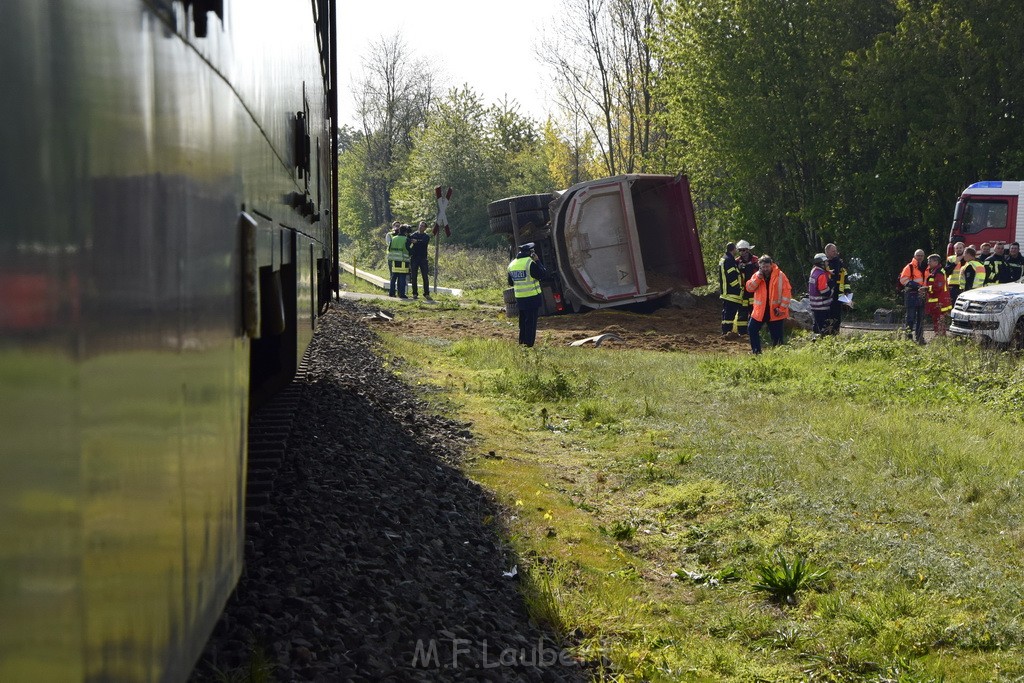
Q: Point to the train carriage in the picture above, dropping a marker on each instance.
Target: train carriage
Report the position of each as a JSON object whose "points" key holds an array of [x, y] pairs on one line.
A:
{"points": [[167, 245]]}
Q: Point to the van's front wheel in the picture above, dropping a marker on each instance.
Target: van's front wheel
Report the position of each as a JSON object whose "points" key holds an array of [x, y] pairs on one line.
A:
{"points": [[1017, 338]]}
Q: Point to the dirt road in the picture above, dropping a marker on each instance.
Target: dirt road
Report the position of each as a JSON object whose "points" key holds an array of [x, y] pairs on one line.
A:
{"points": [[667, 329]]}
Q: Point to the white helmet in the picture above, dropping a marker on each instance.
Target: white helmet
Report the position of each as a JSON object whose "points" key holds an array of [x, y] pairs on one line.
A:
{"points": [[743, 244]]}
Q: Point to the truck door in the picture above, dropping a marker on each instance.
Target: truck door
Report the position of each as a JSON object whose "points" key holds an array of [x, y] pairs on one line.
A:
{"points": [[601, 239], [984, 218]]}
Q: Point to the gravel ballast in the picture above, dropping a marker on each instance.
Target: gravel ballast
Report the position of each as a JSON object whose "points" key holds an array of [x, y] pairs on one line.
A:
{"points": [[377, 560]]}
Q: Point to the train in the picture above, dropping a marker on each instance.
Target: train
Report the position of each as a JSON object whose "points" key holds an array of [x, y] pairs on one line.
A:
{"points": [[167, 248]]}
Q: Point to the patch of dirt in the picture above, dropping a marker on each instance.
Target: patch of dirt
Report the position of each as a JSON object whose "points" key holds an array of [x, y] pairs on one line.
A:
{"points": [[665, 329]]}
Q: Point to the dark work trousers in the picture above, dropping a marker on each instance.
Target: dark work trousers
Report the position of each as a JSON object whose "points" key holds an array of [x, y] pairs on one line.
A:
{"points": [[835, 318], [742, 315], [397, 282], [821, 321], [729, 311], [415, 268], [529, 311], [954, 292], [915, 315], [776, 328]]}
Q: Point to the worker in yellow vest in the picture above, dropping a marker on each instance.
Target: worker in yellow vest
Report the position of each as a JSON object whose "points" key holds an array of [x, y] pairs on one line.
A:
{"points": [[524, 275], [398, 259], [972, 273], [954, 262]]}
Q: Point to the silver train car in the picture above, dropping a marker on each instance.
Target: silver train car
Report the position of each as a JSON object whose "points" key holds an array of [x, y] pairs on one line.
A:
{"points": [[167, 245]]}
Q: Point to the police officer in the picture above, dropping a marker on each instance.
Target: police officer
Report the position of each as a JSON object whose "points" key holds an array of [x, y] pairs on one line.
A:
{"points": [[524, 275], [730, 283], [398, 259]]}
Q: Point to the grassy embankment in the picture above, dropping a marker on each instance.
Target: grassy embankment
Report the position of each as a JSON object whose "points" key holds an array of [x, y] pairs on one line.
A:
{"points": [[651, 493]]}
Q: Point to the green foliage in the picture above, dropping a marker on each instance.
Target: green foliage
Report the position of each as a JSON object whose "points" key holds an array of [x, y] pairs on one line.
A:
{"points": [[781, 579], [484, 153], [841, 449], [840, 121]]}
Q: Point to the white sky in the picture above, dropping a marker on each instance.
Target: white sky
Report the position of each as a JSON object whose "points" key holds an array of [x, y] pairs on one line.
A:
{"points": [[487, 44]]}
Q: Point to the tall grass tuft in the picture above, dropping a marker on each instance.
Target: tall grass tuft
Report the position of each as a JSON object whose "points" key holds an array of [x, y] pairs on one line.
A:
{"points": [[781, 579]]}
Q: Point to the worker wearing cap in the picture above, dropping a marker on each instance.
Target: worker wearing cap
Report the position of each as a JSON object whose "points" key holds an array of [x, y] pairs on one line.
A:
{"points": [[837, 276], [730, 283], [746, 263], [913, 279], [398, 259], [524, 275], [772, 294], [819, 294]]}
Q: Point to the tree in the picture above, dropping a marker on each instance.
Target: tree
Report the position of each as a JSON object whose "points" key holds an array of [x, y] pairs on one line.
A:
{"points": [[483, 152], [604, 73], [754, 94], [392, 101]]}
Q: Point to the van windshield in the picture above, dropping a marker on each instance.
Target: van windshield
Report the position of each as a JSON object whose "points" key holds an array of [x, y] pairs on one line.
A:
{"points": [[982, 214]]}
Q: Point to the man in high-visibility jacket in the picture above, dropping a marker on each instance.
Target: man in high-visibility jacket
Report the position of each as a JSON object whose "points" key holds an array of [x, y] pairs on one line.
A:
{"points": [[937, 304], [746, 264], [524, 275], [731, 286], [398, 259], [954, 262], [837, 274], [772, 294], [972, 273], [819, 294], [912, 279]]}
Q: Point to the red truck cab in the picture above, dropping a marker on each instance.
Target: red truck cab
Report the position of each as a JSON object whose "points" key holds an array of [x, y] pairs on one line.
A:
{"points": [[988, 211]]}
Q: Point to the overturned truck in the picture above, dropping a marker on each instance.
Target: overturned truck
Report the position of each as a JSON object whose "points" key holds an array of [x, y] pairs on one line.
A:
{"points": [[609, 242]]}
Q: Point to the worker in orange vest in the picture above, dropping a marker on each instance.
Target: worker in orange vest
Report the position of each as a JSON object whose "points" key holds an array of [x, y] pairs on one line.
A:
{"points": [[912, 279], [772, 294]]}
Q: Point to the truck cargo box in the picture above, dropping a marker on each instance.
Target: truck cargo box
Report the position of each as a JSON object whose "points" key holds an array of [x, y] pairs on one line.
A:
{"points": [[609, 242]]}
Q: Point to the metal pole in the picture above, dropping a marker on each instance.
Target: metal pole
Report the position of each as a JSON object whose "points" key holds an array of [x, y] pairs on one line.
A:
{"points": [[437, 249]]}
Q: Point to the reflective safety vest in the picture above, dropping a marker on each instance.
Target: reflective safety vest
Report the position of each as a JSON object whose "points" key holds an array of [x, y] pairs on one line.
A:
{"points": [[729, 281], [912, 272], [777, 300], [993, 264], [977, 271], [938, 294], [398, 255], [523, 283], [953, 270], [820, 297]]}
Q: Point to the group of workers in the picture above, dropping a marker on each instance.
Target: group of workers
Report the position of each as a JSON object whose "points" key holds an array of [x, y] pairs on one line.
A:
{"points": [[755, 293], [407, 253], [931, 287]]}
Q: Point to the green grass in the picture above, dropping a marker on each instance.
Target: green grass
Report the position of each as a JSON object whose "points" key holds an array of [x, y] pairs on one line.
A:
{"points": [[653, 491]]}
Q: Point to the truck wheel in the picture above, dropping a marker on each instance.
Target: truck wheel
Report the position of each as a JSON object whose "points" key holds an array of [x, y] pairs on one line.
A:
{"points": [[502, 225], [526, 202]]}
